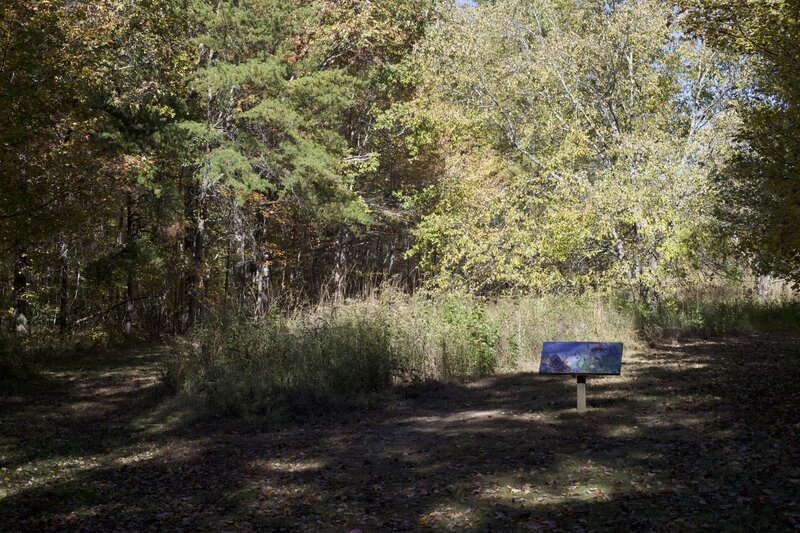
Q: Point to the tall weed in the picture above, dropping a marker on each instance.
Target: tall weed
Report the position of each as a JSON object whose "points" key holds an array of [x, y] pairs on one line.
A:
{"points": [[703, 315], [347, 350]]}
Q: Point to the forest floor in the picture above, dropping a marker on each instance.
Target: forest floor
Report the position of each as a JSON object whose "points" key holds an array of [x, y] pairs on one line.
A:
{"points": [[696, 435]]}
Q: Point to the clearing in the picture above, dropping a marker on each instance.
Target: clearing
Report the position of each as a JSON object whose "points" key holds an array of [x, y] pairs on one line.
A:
{"points": [[696, 435]]}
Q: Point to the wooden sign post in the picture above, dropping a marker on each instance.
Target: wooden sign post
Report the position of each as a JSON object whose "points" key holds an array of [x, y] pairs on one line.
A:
{"points": [[581, 359], [581, 394]]}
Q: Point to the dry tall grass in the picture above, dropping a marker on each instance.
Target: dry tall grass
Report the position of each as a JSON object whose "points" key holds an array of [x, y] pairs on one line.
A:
{"points": [[344, 350]]}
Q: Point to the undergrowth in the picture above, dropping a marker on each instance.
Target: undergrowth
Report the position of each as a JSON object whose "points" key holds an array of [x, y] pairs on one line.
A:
{"points": [[677, 318], [22, 357], [348, 351]]}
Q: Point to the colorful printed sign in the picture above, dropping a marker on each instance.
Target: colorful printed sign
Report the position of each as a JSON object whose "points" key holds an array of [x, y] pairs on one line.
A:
{"points": [[581, 358]]}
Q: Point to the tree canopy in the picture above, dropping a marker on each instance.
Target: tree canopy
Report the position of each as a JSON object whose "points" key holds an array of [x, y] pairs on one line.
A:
{"points": [[762, 180], [164, 158]]}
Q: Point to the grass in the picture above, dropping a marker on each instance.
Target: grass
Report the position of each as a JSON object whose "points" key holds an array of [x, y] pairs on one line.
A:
{"points": [[349, 351], [701, 315]]}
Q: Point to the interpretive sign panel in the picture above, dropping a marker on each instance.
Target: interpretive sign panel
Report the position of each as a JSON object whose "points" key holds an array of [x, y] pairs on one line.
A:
{"points": [[587, 358]]}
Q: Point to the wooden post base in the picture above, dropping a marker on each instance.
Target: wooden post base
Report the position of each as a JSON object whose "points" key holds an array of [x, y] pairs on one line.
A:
{"points": [[581, 394]]}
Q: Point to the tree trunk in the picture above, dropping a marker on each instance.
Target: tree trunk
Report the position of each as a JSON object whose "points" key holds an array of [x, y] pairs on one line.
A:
{"points": [[127, 319], [19, 317], [262, 287], [762, 286], [238, 259], [63, 287], [262, 270], [340, 266], [195, 276]]}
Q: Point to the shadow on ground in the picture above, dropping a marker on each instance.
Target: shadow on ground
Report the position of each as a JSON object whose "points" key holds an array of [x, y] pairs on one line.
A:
{"points": [[693, 436]]}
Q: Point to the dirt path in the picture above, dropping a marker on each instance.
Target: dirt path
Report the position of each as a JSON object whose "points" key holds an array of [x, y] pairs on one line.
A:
{"points": [[695, 436]]}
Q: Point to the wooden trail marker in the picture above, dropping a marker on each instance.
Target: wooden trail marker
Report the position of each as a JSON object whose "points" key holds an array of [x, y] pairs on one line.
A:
{"points": [[581, 359], [581, 394]]}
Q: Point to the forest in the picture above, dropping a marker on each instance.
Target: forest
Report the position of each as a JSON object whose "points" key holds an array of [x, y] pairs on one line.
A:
{"points": [[165, 159], [253, 213]]}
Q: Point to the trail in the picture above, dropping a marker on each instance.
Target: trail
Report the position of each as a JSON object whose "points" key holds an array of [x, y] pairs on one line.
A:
{"points": [[692, 436]]}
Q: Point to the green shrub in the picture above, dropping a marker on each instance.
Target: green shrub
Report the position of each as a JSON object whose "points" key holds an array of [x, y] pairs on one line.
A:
{"points": [[16, 360], [23, 357], [470, 349]]}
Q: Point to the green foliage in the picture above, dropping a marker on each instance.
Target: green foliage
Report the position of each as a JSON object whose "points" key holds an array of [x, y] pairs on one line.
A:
{"points": [[760, 182], [714, 315], [267, 116], [164, 161], [580, 142], [468, 321]]}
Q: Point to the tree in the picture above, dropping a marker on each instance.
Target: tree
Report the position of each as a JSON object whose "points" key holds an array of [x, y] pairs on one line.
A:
{"points": [[761, 183], [393, 149], [266, 129], [582, 139], [48, 164]]}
